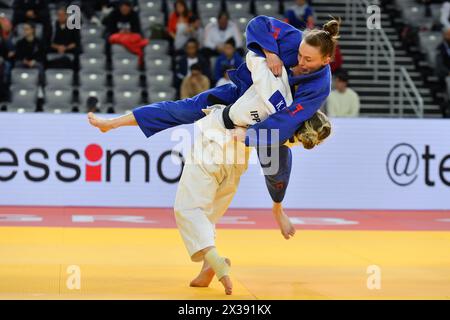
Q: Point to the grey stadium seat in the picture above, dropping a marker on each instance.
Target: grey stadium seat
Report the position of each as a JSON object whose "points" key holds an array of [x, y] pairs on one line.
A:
{"points": [[242, 20], [235, 6], [58, 78], [25, 78], [148, 20], [127, 100], [156, 65], [92, 80], [159, 81], [58, 99], [208, 7], [8, 13], [157, 95], [122, 52], [415, 15], [157, 49], [95, 48], [428, 42], [23, 98], [126, 81], [150, 6], [267, 7], [91, 33], [125, 64], [92, 62]]}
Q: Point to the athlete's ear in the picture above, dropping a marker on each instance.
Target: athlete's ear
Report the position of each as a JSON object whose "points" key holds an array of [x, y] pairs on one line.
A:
{"points": [[326, 60]]}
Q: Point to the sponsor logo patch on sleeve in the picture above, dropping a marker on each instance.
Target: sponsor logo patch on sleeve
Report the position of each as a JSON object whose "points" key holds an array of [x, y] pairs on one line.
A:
{"points": [[277, 100]]}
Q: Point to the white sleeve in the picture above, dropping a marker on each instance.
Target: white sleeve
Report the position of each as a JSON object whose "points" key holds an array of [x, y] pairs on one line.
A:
{"points": [[266, 84], [208, 36]]}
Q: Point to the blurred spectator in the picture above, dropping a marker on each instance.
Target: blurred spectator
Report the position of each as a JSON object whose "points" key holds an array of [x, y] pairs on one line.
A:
{"points": [[3, 62], [443, 57], [123, 28], [92, 105], [184, 63], [89, 8], [225, 78], [35, 11], [6, 49], [123, 19], [29, 51], [195, 83], [445, 15], [343, 101], [337, 61], [216, 33], [6, 27], [229, 57], [193, 29], [179, 17], [65, 41], [300, 15]]}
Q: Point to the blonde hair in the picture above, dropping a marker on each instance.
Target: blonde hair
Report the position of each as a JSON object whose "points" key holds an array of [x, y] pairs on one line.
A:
{"points": [[314, 131]]}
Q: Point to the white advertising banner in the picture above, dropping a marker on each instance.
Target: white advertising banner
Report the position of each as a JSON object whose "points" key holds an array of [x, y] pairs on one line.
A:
{"points": [[48, 160]]}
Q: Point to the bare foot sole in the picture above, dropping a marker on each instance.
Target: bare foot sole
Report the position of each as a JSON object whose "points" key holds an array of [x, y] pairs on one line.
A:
{"points": [[102, 124], [226, 282], [205, 277]]}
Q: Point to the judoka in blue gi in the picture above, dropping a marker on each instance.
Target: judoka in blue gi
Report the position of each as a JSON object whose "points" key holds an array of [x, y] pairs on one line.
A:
{"points": [[300, 60]]}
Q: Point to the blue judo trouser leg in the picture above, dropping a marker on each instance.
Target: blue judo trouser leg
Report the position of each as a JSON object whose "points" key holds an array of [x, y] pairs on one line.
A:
{"points": [[159, 116], [277, 182]]}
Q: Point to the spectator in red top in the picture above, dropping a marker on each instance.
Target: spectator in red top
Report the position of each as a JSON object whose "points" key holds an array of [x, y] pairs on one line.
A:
{"points": [[179, 15], [337, 61]]}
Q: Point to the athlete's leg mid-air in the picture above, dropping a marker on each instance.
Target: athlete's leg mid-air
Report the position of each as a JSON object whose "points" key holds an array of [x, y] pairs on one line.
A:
{"points": [[104, 125]]}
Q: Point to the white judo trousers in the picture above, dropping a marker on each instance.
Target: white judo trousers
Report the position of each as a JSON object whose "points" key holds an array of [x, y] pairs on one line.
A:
{"points": [[215, 162]]}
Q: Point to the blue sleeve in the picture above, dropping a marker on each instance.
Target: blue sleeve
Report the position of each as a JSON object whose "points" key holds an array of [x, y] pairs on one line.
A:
{"points": [[162, 115], [276, 36], [306, 102], [260, 35], [277, 183]]}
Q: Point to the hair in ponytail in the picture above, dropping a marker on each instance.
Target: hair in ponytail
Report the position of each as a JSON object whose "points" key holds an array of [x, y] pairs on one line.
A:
{"points": [[325, 39]]}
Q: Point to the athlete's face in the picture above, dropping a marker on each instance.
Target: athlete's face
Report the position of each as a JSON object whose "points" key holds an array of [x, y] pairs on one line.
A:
{"points": [[309, 60]]}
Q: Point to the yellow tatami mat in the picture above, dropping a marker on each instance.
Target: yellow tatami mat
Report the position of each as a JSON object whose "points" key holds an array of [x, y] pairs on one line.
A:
{"points": [[114, 263]]}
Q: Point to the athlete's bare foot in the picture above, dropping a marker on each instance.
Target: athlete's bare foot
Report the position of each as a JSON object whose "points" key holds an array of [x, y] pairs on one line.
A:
{"points": [[286, 227], [206, 275], [226, 282], [103, 125]]}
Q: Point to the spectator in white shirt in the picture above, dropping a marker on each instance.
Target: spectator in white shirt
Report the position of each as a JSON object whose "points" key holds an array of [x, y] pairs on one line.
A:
{"points": [[445, 15], [186, 31], [216, 33], [343, 101]]}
